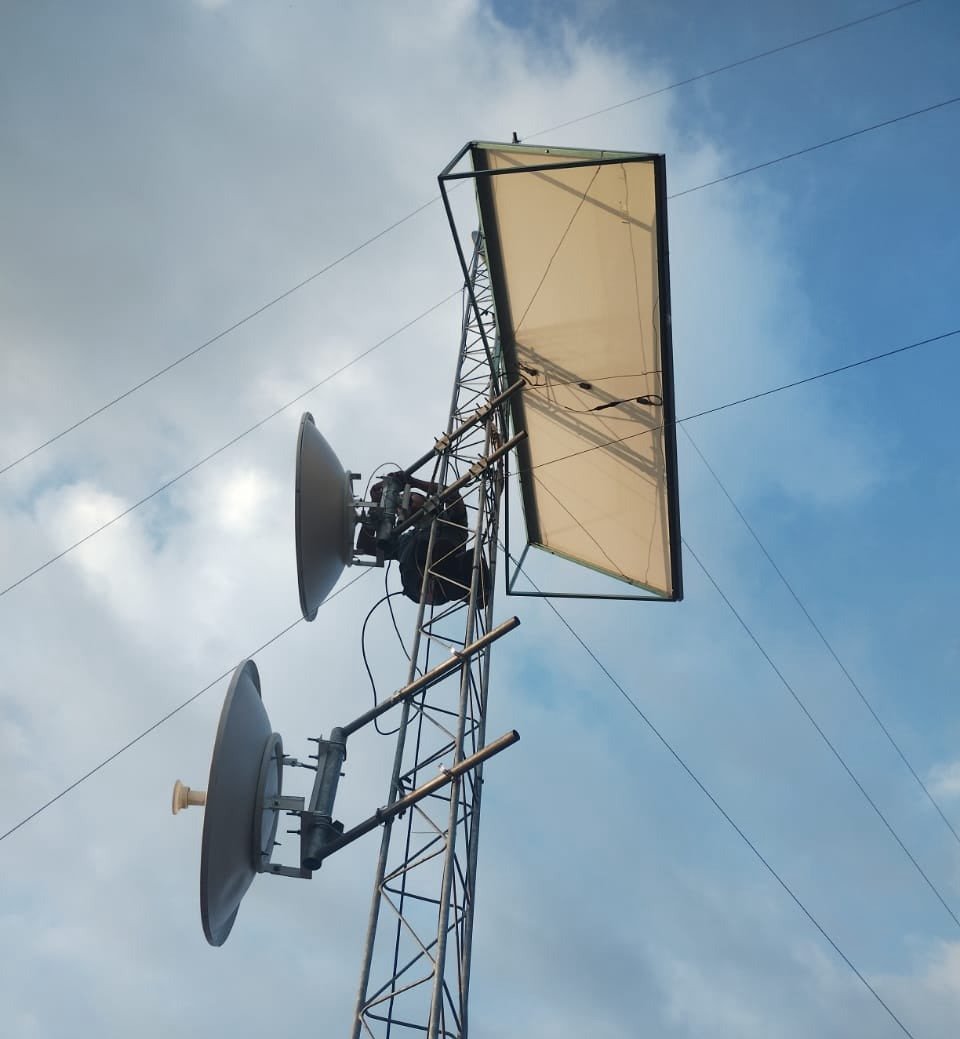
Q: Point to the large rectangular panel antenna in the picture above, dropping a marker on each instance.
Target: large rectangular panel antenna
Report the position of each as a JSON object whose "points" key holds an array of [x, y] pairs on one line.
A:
{"points": [[576, 249]]}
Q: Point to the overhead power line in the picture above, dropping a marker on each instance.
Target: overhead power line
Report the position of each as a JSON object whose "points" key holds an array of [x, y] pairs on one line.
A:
{"points": [[170, 714], [553, 461], [806, 711], [723, 812], [823, 736], [816, 147], [823, 638], [724, 68], [757, 396], [596, 447], [213, 339], [419, 209], [223, 447]]}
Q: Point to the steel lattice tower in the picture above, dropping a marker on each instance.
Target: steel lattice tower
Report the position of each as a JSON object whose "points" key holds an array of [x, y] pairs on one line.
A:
{"points": [[415, 974]]}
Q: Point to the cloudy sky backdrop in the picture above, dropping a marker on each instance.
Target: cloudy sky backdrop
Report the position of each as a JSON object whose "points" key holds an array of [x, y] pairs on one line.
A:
{"points": [[169, 168]]}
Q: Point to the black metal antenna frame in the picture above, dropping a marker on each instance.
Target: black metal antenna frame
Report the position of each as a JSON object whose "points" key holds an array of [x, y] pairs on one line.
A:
{"points": [[571, 159]]}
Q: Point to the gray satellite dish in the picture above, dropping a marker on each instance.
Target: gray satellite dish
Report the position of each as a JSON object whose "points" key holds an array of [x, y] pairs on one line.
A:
{"points": [[325, 517], [238, 831]]}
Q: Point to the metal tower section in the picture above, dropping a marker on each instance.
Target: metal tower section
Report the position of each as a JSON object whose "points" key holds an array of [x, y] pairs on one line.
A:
{"points": [[415, 974]]}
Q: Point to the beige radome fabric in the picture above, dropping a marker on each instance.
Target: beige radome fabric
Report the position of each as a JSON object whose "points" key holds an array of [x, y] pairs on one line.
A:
{"points": [[579, 319]]}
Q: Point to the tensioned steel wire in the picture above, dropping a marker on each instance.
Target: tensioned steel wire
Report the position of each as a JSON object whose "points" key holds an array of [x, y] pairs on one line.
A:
{"points": [[165, 718], [915, 345], [216, 338], [768, 866], [686, 191], [822, 636], [552, 461], [142, 735], [306, 281], [823, 736], [788, 686], [785, 386], [223, 447], [724, 68], [426, 205]]}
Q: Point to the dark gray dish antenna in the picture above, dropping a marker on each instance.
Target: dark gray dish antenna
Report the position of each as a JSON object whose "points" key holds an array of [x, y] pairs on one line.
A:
{"points": [[325, 517], [238, 831]]}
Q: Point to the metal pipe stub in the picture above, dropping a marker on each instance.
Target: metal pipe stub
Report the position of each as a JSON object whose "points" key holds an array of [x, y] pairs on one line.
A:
{"points": [[431, 786], [317, 827], [435, 501], [456, 660]]}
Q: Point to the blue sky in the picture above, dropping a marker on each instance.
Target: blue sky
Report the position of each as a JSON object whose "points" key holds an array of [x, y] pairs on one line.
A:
{"points": [[170, 168]]}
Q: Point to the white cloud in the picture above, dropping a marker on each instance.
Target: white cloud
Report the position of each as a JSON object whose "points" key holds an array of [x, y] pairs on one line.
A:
{"points": [[944, 780], [929, 1000], [241, 504], [287, 134]]}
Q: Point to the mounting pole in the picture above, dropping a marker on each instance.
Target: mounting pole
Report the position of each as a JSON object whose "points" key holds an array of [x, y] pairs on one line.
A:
{"points": [[415, 971]]}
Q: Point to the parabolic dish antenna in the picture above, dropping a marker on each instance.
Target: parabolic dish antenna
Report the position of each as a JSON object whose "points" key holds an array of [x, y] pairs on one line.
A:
{"points": [[238, 832], [324, 517]]}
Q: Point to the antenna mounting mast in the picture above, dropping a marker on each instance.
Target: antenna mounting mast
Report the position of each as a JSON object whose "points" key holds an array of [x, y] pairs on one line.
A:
{"points": [[416, 961]]}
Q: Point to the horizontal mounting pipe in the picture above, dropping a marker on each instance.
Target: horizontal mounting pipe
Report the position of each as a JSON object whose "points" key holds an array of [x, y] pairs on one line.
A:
{"points": [[468, 477], [428, 678], [431, 786], [449, 438]]}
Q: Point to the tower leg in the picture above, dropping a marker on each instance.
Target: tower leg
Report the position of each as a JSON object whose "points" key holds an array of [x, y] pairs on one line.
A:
{"points": [[415, 971]]}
